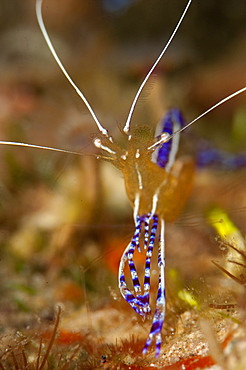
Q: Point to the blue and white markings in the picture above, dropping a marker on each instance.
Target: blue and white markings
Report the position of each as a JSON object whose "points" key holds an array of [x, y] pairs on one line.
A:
{"points": [[171, 123], [151, 229]]}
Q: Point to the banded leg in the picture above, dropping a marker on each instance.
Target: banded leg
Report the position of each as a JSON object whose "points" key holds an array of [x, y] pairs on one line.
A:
{"points": [[150, 245], [138, 301], [130, 252], [149, 242], [134, 301], [159, 315], [146, 230]]}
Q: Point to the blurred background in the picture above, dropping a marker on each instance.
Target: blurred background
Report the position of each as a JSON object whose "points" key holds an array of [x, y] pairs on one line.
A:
{"points": [[65, 220]]}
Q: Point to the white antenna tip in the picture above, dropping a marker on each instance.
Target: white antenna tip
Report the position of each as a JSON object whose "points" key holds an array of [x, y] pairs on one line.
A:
{"points": [[104, 131], [126, 130]]}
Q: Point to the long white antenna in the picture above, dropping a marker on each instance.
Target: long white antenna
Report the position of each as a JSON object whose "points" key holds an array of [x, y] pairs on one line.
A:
{"points": [[128, 121], [240, 91], [15, 143], [47, 39], [165, 137]]}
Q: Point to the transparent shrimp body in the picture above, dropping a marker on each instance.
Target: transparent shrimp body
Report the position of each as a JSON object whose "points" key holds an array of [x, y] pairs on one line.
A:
{"points": [[157, 186]]}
